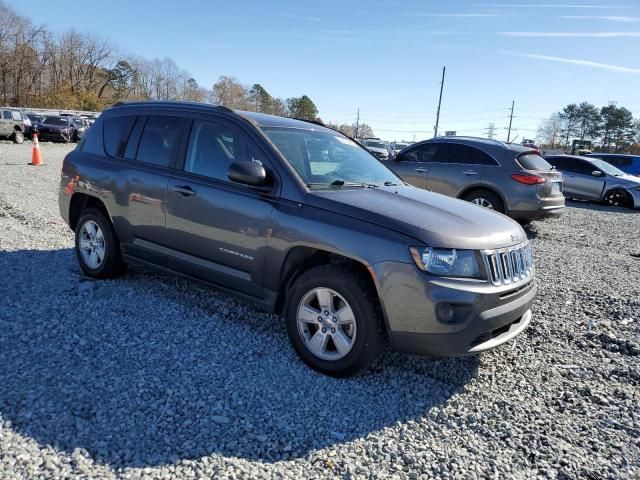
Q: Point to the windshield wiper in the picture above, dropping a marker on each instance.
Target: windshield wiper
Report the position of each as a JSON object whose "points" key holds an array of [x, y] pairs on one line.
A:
{"points": [[336, 183], [390, 184]]}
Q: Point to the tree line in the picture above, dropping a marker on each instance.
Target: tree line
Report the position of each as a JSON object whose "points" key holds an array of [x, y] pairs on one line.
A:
{"points": [[610, 128], [81, 71]]}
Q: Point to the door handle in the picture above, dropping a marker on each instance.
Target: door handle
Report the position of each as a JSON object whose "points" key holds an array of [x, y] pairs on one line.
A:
{"points": [[470, 172], [184, 190], [421, 170]]}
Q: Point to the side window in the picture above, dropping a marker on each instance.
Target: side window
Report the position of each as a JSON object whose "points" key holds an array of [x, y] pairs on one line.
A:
{"points": [[116, 134], [421, 153], [464, 154], [584, 168], [159, 140], [92, 140], [619, 162], [213, 147], [558, 162], [6, 114], [16, 116]]}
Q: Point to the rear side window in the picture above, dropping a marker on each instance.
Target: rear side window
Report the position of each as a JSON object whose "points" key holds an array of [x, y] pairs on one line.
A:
{"points": [[531, 161], [456, 153], [585, 168], [159, 140], [116, 134], [92, 140], [212, 148], [6, 115]]}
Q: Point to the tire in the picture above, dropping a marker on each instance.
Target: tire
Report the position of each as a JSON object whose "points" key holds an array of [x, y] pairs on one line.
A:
{"points": [[486, 199], [363, 328], [104, 239], [18, 137], [617, 198]]}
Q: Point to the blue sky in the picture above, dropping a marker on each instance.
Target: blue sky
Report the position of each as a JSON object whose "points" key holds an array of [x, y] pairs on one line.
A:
{"points": [[386, 56]]}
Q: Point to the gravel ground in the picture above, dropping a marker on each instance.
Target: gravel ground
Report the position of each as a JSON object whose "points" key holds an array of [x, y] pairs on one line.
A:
{"points": [[152, 376]]}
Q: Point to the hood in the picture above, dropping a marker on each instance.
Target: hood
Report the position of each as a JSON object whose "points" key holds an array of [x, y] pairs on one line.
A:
{"points": [[630, 181], [377, 150], [436, 220], [53, 127]]}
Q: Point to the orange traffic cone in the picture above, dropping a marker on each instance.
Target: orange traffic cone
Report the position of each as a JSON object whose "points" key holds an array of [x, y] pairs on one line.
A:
{"points": [[36, 157]]}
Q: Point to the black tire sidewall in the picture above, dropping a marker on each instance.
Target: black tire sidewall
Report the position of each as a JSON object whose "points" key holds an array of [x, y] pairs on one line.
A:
{"points": [[368, 341], [111, 263]]}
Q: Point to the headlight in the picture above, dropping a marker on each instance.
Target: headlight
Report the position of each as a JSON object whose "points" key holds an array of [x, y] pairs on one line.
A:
{"points": [[446, 262]]}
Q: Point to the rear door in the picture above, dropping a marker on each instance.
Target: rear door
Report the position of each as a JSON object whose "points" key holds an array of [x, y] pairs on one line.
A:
{"points": [[413, 165], [458, 167], [5, 123], [143, 150], [217, 230]]}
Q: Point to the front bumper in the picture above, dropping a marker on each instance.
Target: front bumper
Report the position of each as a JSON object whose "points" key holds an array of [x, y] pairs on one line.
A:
{"points": [[54, 136], [486, 317]]}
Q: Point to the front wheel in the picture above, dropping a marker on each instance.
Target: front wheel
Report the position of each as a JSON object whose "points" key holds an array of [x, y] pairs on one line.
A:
{"points": [[334, 321], [18, 137], [97, 246], [617, 198]]}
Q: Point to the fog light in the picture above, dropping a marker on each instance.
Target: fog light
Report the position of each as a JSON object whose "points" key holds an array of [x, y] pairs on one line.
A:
{"points": [[445, 312], [453, 312]]}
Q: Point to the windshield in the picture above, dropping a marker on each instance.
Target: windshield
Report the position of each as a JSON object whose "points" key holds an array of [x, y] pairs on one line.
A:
{"points": [[606, 167], [55, 121], [324, 158], [375, 144]]}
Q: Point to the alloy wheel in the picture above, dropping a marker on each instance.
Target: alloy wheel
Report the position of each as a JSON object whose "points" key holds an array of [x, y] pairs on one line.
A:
{"points": [[482, 202], [326, 324], [92, 244]]}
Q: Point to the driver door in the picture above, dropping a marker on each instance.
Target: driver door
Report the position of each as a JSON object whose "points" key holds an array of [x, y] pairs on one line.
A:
{"points": [[413, 165], [217, 230]]}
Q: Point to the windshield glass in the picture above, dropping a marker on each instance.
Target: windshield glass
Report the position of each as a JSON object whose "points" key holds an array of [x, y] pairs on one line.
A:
{"points": [[607, 167], [55, 121], [324, 158], [375, 144]]}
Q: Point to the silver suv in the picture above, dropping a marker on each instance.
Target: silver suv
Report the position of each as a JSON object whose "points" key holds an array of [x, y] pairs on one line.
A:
{"points": [[11, 125], [511, 179]]}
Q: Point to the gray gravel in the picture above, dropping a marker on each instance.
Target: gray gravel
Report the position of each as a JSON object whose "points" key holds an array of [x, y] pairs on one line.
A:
{"points": [[151, 376]]}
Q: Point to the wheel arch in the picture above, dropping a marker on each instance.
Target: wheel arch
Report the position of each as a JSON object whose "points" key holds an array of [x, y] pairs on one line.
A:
{"points": [[300, 259], [488, 188], [80, 202]]}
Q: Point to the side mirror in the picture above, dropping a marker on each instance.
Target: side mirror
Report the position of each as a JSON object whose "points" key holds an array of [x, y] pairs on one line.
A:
{"points": [[596, 173], [248, 173]]}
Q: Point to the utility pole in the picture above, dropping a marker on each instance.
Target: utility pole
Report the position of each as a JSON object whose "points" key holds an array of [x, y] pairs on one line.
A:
{"points": [[491, 131], [357, 123], [435, 130], [513, 103]]}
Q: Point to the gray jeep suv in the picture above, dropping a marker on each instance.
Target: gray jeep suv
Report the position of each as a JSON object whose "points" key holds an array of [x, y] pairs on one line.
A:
{"points": [[333, 240], [509, 178], [12, 125]]}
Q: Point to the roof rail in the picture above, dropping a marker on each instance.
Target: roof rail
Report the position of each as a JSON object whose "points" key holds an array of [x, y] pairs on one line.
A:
{"points": [[469, 137]]}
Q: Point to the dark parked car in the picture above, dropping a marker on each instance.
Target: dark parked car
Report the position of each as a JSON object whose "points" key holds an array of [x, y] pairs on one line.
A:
{"points": [[12, 125], [61, 128], [629, 164], [594, 179], [508, 178], [334, 241]]}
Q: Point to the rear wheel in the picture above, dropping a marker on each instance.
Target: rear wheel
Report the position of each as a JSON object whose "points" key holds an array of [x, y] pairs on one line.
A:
{"points": [[617, 198], [97, 246], [334, 320], [486, 199], [18, 137]]}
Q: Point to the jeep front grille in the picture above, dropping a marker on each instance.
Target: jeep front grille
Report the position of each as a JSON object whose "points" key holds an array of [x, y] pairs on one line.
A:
{"points": [[507, 266]]}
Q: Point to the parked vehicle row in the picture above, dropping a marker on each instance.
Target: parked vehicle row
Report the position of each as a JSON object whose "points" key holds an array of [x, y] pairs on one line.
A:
{"points": [[508, 178], [12, 125], [305, 222]]}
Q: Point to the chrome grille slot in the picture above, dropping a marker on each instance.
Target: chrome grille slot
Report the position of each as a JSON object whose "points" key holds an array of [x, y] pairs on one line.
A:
{"points": [[509, 265]]}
